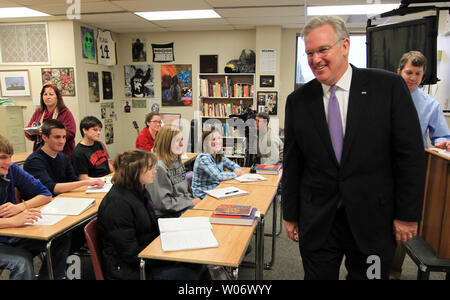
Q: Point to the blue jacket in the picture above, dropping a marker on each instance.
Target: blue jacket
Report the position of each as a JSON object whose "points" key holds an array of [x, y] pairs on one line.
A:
{"points": [[28, 186]]}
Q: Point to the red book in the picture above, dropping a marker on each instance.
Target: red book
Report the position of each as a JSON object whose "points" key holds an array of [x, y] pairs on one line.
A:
{"points": [[232, 209], [268, 169], [234, 220]]}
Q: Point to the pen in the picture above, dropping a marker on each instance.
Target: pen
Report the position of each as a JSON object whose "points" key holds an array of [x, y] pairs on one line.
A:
{"points": [[231, 192]]}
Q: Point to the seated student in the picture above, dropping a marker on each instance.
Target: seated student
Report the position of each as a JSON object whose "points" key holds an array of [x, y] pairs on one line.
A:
{"points": [[169, 190], [270, 146], [16, 254], [147, 136], [51, 166], [90, 157], [127, 222], [209, 166]]}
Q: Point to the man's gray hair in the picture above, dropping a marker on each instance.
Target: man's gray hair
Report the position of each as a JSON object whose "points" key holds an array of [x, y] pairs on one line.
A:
{"points": [[337, 23]]}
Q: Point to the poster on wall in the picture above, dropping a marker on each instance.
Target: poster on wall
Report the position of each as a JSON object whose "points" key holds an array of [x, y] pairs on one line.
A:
{"points": [[107, 110], [107, 85], [62, 78], [88, 44], [176, 85], [153, 105], [267, 102], [106, 48], [94, 91], [139, 81], [139, 49], [109, 131], [163, 53]]}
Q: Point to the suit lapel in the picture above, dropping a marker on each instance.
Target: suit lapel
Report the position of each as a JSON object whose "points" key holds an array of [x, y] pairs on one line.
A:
{"points": [[358, 93], [320, 122]]}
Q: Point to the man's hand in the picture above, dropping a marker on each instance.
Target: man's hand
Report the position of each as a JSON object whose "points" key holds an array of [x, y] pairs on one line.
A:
{"points": [[27, 216], [96, 181], [404, 231], [443, 145], [291, 230]]}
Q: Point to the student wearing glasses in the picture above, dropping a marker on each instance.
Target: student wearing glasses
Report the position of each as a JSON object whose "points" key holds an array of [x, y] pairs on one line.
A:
{"points": [[146, 138]]}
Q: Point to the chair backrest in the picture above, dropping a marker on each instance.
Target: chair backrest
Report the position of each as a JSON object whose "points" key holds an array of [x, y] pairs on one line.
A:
{"points": [[189, 180], [90, 231]]}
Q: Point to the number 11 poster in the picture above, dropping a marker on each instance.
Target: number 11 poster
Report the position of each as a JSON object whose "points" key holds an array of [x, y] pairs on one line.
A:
{"points": [[106, 48]]}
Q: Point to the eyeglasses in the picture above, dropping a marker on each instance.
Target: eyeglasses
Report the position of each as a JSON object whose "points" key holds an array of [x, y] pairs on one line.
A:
{"points": [[322, 51], [157, 122]]}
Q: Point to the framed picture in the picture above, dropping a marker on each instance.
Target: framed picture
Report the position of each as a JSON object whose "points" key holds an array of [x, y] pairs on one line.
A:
{"points": [[63, 78], [15, 83], [176, 85], [267, 81], [139, 81], [267, 102]]}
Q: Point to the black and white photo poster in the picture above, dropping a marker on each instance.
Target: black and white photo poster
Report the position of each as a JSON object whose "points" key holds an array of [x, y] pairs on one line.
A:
{"points": [[163, 53]]}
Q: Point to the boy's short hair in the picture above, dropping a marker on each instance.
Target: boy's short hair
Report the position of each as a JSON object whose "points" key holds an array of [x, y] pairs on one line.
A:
{"points": [[416, 58], [6, 146], [89, 122], [263, 115], [51, 124]]}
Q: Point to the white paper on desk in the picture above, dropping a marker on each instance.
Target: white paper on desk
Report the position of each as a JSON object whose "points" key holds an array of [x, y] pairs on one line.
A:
{"points": [[186, 233], [250, 178], [188, 240], [47, 220], [67, 206], [94, 189], [226, 192], [183, 224]]}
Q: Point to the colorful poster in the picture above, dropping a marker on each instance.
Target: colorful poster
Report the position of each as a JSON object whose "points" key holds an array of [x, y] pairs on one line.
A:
{"points": [[176, 85], [62, 78], [88, 44]]}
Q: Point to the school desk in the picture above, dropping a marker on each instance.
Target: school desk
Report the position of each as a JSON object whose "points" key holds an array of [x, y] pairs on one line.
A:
{"points": [[233, 241], [19, 158]]}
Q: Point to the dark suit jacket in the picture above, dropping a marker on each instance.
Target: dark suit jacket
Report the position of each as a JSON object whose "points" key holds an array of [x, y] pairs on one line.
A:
{"points": [[382, 171]]}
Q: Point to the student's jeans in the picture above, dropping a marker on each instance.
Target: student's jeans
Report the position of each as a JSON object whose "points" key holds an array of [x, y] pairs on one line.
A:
{"points": [[17, 256]]}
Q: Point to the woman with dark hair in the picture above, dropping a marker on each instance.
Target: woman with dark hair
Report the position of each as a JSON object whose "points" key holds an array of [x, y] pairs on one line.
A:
{"points": [[53, 107], [127, 222]]}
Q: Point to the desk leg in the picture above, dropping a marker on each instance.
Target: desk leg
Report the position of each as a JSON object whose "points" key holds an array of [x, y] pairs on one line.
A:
{"points": [[51, 275], [142, 269], [269, 265], [259, 252]]}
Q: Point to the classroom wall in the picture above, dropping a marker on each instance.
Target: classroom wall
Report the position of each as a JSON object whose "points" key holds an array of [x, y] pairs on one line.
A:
{"points": [[62, 54]]}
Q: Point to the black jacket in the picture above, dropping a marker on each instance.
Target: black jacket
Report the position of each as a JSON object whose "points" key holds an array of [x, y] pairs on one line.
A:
{"points": [[126, 225]]}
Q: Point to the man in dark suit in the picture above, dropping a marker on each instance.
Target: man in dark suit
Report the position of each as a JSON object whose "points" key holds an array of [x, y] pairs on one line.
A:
{"points": [[353, 177]]}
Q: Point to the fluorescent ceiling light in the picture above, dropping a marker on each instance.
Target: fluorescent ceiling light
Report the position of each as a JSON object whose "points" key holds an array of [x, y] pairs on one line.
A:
{"points": [[178, 14], [368, 9], [20, 12]]}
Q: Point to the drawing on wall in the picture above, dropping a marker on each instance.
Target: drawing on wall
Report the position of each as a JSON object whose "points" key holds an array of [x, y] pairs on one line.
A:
{"points": [[139, 81], [62, 78], [15, 83], [139, 49], [107, 85], [107, 110], [176, 85], [94, 91], [109, 131], [88, 44]]}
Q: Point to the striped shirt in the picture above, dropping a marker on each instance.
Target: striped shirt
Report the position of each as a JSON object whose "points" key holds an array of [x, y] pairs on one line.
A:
{"points": [[208, 174]]}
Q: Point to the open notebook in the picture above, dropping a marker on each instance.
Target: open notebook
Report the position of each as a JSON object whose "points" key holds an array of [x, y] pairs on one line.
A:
{"points": [[226, 192], [67, 206], [186, 233]]}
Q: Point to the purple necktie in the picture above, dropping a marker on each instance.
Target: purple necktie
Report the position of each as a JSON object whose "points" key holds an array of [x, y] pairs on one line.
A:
{"points": [[335, 124]]}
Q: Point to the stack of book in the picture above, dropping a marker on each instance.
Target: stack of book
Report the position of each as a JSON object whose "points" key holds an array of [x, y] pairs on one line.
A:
{"points": [[268, 169], [234, 215]]}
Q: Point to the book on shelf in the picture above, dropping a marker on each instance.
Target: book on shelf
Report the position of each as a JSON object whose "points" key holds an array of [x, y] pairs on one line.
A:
{"points": [[227, 192], [233, 210], [186, 233], [235, 219], [268, 169]]}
